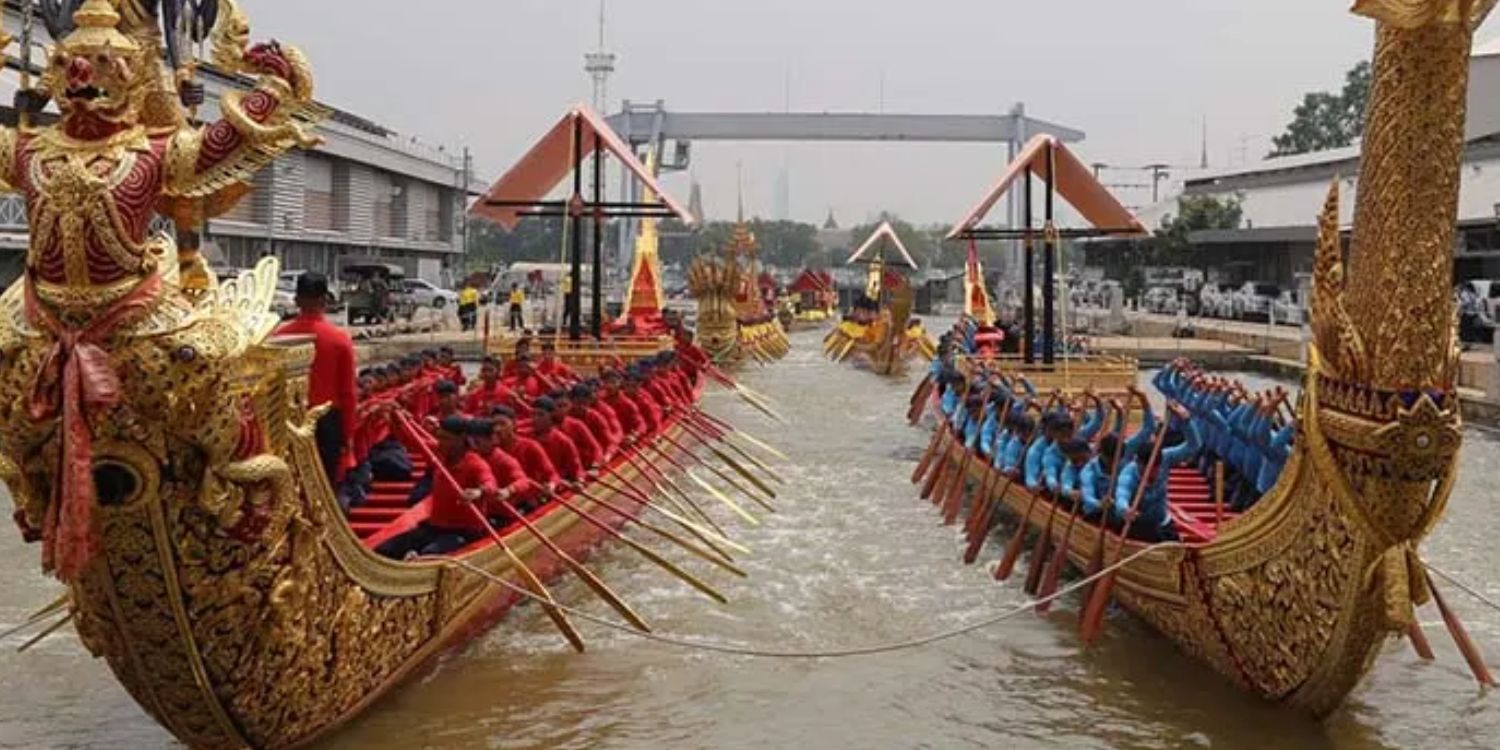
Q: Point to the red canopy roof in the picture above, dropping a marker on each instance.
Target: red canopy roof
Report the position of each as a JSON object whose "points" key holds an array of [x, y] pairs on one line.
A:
{"points": [[812, 281], [1075, 183], [542, 168]]}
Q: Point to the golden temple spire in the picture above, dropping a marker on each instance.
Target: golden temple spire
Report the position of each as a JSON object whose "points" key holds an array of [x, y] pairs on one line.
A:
{"points": [[643, 295]]}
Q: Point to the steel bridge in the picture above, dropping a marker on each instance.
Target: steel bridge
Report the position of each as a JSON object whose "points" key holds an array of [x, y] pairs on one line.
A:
{"points": [[644, 125]]}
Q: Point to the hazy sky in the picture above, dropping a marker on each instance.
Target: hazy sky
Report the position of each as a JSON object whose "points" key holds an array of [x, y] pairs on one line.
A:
{"points": [[1138, 77]]}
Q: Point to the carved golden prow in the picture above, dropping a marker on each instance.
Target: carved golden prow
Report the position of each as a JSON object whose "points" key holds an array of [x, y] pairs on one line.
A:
{"points": [[1401, 259]]}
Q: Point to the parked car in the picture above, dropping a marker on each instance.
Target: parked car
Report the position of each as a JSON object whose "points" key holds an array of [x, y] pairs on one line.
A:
{"points": [[1287, 310], [376, 293], [1216, 301], [1160, 299], [1253, 300], [424, 293], [1488, 291]]}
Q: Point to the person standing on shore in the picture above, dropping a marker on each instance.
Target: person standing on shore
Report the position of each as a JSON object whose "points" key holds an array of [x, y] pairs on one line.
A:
{"points": [[517, 308]]}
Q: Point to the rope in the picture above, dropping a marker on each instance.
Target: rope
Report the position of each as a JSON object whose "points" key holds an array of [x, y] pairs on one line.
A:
{"points": [[1462, 586], [884, 648]]}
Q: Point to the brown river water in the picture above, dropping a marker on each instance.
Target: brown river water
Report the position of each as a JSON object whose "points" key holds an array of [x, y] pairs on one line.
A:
{"points": [[853, 558]]}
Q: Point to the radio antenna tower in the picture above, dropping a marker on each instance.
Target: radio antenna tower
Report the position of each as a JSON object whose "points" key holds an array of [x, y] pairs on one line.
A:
{"points": [[599, 65]]}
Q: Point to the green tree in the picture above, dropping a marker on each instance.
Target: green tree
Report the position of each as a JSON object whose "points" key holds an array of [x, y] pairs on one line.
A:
{"points": [[1170, 244], [1327, 120], [789, 244]]}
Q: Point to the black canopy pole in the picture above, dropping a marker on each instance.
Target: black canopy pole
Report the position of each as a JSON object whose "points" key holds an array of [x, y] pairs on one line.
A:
{"points": [[1049, 267], [1028, 322], [575, 213], [598, 238]]}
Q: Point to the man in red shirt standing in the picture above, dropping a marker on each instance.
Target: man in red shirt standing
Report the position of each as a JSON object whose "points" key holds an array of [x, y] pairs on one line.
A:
{"points": [[331, 379], [546, 428], [452, 521]]}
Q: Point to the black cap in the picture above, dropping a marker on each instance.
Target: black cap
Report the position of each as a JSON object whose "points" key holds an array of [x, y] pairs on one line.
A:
{"points": [[445, 387], [545, 404], [312, 285], [481, 427], [454, 425], [580, 392], [500, 410]]}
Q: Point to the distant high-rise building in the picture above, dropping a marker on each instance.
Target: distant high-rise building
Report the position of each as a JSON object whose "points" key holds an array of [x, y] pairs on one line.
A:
{"points": [[783, 195], [829, 223], [695, 201]]}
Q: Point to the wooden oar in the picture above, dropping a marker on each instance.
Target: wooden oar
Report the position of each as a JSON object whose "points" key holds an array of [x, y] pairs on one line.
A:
{"points": [[1093, 613], [939, 434], [716, 471], [980, 529], [729, 460], [723, 498], [1096, 558], [645, 551], [50, 629], [919, 400], [701, 431], [1018, 540], [679, 498], [529, 578], [588, 577], [705, 535], [40, 615], [705, 553], [580, 570], [678, 495], [751, 439], [954, 500], [1060, 555], [533, 584], [1419, 641], [1039, 558], [1460, 636]]}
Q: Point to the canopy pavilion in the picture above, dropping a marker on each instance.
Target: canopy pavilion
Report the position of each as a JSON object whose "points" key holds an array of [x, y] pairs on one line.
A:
{"points": [[523, 190], [1062, 173]]}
